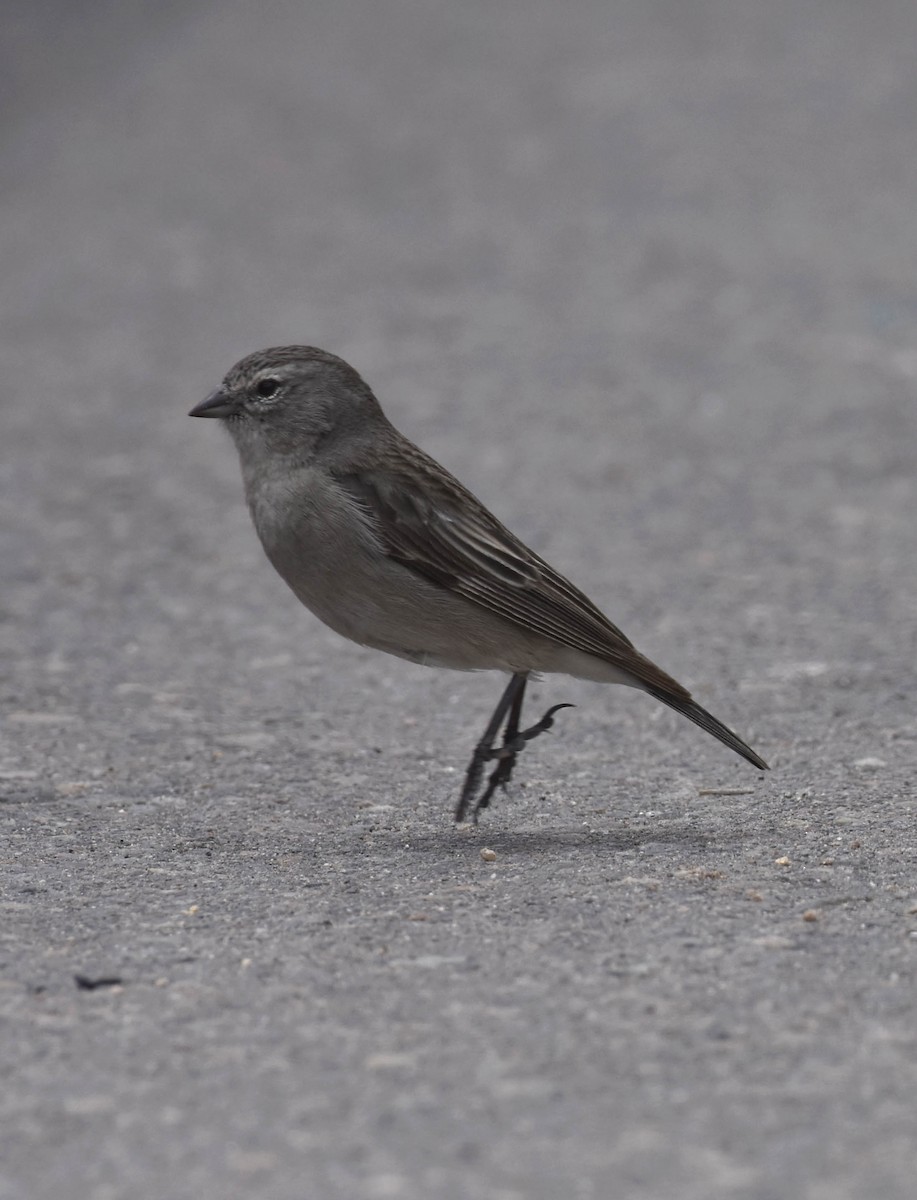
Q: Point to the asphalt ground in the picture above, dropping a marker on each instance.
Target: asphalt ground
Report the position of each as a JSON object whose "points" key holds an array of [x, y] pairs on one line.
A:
{"points": [[642, 275]]}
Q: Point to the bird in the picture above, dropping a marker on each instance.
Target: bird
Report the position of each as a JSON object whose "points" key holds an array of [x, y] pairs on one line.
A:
{"points": [[390, 550]]}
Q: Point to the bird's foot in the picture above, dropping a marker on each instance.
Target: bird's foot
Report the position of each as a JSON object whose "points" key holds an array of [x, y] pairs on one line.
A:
{"points": [[516, 742], [505, 755]]}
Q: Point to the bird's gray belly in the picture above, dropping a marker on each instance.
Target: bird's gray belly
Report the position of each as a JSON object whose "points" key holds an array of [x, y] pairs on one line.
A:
{"points": [[325, 548], [331, 558]]}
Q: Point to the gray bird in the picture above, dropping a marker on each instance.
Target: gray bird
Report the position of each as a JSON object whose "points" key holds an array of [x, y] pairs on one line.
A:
{"points": [[391, 551]]}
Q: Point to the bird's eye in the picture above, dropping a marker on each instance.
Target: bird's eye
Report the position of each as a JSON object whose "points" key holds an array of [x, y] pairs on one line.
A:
{"points": [[267, 388]]}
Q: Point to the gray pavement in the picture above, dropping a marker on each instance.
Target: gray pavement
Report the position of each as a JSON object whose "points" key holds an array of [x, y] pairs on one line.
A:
{"points": [[644, 275]]}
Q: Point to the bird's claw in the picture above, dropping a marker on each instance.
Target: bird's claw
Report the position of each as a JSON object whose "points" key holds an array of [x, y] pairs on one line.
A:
{"points": [[505, 756]]}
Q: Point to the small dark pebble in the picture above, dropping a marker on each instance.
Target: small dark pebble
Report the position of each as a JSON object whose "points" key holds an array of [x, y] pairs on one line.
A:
{"points": [[89, 985]]}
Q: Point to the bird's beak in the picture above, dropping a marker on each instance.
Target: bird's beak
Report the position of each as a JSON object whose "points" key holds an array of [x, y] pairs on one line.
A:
{"points": [[217, 404]]}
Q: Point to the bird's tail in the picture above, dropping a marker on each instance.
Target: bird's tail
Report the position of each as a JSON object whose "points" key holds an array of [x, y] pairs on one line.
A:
{"points": [[693, 711]]}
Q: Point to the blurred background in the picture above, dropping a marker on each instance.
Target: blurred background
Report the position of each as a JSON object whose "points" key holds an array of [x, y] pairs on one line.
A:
{"points": [[643, 274]]}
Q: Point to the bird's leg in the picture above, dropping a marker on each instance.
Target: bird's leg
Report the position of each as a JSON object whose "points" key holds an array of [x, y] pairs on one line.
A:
{"points": [[514, 740], [483, 751], [506, 755]]}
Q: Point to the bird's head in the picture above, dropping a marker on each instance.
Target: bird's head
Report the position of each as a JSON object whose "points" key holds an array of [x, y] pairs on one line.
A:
{"points": [[292, 401]]}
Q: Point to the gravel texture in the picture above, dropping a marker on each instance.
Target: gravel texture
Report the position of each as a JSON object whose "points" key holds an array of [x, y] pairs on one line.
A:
{"points": [[644, 275]]}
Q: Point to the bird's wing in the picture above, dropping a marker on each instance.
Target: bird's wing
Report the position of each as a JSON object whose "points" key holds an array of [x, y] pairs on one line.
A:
{"points": [[429, 523]]}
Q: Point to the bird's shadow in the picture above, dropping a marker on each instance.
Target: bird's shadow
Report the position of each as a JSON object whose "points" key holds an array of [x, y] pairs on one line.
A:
{"points": [[532, 843]]}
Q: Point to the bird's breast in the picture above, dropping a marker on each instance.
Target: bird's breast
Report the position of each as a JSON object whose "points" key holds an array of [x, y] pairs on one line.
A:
{"points": [[324, 544]]}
